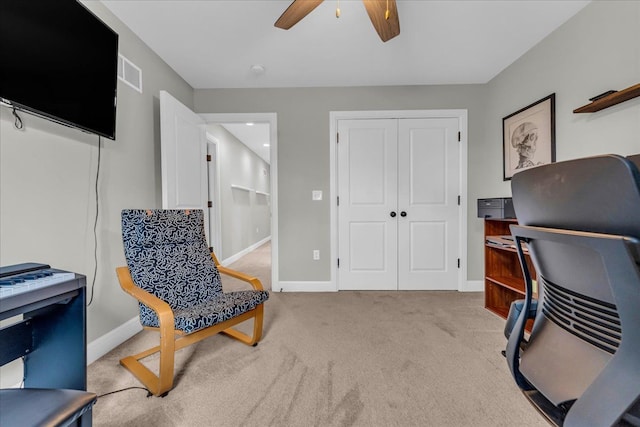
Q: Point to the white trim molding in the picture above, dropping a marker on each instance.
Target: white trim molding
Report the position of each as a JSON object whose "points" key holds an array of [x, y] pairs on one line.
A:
{"points": [[472, 286], [309, 286], [234, 258], [103, 345]]}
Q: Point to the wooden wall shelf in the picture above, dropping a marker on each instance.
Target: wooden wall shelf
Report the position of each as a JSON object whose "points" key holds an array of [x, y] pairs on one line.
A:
{"points": [[610, 100]]}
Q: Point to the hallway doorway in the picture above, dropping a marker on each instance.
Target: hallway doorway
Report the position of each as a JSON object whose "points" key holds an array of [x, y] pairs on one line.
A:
{"points": [[256, 263]]}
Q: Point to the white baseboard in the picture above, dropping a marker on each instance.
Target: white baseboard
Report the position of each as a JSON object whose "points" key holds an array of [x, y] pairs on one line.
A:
{"points": [[472, 286], [101, 346], [468, 286], [305, 287], [234, 258]]}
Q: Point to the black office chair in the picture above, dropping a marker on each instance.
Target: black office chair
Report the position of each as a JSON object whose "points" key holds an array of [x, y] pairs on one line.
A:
{"points": [[39, 407], [580, 221]]}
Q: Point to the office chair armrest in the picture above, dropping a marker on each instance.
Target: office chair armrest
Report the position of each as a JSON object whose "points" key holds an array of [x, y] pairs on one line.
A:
{"points": [[253, 281], [514, 311], [162, 309]]}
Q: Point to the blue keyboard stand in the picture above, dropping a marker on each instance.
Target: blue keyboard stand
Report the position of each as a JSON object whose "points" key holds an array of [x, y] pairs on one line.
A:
{"points": [[52, 335]]}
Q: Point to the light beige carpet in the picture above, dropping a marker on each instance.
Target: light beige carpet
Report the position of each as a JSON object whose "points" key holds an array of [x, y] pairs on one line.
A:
{"points": [[332, 359]]}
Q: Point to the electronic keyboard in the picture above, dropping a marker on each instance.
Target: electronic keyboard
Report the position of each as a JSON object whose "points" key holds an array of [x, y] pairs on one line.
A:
{"points": [[19, 278]]}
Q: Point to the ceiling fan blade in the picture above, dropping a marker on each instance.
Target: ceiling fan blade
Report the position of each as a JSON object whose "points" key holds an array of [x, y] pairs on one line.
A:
{"points": [[295, 12], [387, 28]]}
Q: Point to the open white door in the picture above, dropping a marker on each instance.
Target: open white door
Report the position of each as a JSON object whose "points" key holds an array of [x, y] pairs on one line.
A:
{"points": [[183, 153]]}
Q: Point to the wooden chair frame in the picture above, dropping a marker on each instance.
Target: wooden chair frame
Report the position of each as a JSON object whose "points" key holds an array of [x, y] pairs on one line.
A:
{"points": [[172, 340]]}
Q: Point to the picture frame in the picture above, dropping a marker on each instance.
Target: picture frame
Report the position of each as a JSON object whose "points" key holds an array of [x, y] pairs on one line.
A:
{"points": [[529, 137]]}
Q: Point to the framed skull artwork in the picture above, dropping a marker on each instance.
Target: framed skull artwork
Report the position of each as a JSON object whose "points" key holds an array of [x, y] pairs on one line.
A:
{"points": [[529, 137]]}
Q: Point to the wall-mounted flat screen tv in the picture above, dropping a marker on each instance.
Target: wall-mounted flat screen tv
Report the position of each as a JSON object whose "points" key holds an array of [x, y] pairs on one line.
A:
{"points": [[59, 61]]}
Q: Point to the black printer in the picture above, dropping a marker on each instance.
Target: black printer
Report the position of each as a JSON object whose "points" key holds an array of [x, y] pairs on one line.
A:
{"points": [[500, 207]]}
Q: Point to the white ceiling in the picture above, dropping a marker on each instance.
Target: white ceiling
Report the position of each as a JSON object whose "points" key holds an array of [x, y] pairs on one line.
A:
{"points": [[214, 43], [254, 136]]}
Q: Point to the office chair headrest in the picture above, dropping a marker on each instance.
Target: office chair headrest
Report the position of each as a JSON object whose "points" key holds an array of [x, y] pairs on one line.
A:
{"points": [[595, 194]]}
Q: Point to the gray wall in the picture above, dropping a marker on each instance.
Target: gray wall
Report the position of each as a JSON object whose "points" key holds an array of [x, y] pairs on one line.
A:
{"points": [[303, 152], [47, 198], [245, 216], [595, 51], [47, 171]]}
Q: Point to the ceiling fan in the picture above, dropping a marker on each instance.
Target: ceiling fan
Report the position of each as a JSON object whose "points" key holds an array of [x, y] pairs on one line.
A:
{"points": [[383, 15]]}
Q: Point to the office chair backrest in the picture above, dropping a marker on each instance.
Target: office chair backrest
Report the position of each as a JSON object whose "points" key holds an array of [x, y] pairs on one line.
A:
{"points": [[597, 194], [168, 256], [583, 289]]}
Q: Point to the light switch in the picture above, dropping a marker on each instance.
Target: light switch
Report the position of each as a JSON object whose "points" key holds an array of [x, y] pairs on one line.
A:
{"points": [[316, 195]]}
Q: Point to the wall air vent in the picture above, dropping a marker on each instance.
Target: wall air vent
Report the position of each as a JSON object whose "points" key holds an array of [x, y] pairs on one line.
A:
{"points": [[129, 73]]}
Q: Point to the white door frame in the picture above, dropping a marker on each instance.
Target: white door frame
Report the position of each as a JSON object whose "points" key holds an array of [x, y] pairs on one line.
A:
{"points": [[334, 116], [215, 235], [272, 119]]}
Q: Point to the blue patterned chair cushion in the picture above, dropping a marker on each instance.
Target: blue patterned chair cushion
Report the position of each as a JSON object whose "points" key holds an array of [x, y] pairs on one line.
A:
{"points": [[223, 307], [167, 255]]}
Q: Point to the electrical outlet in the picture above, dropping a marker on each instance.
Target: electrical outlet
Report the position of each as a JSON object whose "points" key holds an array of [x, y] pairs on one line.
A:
{"points": [[316, 254], [316, 195]]}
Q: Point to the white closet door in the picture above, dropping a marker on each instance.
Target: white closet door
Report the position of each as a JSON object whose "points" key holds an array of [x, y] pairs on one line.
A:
{"points": [[428, 188], [367, 176], [398, 213]]}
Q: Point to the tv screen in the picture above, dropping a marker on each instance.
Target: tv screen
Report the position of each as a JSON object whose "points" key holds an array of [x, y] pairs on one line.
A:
{"points": [[59, 61]]}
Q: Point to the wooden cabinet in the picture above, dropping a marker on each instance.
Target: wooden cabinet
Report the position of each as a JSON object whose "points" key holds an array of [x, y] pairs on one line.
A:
{"points": [[504, 281]]}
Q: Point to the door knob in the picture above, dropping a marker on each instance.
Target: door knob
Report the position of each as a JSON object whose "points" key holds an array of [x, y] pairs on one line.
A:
{"points": [[393, 214], [403, 214]]}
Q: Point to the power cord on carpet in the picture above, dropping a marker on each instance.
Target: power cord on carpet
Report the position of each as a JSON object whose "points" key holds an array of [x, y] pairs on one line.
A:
{"points": [[125, 389]]}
